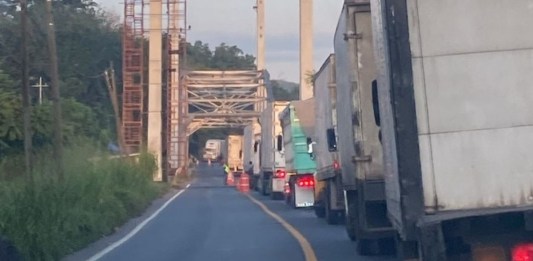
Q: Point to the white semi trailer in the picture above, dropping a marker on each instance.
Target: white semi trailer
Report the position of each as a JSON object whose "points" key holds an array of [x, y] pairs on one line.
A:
{"points": [[271, 178], [455, 91], [329, 203]]}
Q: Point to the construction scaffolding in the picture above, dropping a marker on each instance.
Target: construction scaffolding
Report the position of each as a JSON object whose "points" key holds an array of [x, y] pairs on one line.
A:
{"points": [[132, 75], [176, 103], [192, 99]]}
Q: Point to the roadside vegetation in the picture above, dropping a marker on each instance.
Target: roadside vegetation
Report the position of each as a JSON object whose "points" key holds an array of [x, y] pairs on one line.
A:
{"points": [[47, 219], [47, 215]]}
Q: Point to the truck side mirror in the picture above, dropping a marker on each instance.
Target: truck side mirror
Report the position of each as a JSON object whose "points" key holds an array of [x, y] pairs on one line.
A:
{"points": [[279, 143], [310, 149], [332, 141], [309, 146], [256, 145], [240, 154]]}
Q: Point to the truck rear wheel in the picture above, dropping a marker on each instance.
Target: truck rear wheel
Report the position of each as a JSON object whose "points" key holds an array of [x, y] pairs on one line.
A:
{"points": [[351, 214], [320, 211], [367, 247], [263, 190], [373, 247], [276, 195], [332, 216]]}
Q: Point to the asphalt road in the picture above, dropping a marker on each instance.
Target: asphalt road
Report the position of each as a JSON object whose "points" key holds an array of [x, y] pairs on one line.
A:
{"points": [[210, 221]]}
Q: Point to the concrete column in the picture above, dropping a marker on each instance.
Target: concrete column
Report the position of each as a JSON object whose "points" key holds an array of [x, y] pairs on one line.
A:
{"points": [[260, 8], [306, 48], [154, 86], [260, 34]]}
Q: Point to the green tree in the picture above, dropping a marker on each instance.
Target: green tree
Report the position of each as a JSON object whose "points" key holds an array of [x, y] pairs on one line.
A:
{"points": [[88, 39], [224, 57], [10, 112], [284, 94]]}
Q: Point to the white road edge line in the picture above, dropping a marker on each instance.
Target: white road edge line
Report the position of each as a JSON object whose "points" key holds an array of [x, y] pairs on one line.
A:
{"points": [[136, 229]]}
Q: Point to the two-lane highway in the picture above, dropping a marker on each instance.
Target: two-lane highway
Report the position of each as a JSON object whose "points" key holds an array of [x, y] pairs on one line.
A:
{"points": [[210, 221]]}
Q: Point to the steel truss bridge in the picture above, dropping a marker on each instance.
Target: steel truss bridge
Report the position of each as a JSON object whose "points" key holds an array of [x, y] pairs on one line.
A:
{"points": [[216, 99], [193, 99]]}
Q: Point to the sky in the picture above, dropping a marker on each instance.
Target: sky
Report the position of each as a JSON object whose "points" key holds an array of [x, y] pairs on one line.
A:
{"points": [[233, 22]]}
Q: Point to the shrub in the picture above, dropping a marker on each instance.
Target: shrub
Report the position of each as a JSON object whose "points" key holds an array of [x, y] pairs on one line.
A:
{"points": [[49, 219]]}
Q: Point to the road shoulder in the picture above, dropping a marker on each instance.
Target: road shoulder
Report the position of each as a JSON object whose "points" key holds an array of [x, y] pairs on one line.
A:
{"points": [[122, 231]]}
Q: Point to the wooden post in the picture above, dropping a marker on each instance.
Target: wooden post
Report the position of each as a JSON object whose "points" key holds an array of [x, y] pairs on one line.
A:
{"points": [[26, 90], [54, 75], [112, 88]]}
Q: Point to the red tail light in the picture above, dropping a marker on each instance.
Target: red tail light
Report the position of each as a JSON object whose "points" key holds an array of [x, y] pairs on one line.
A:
{"points": [[308, 182], [336, 165], [523, 252], [280, 174]]}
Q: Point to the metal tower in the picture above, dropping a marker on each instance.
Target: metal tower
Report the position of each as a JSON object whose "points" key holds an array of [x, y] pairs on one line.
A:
{"points": [[176, 101], [132, 75]]}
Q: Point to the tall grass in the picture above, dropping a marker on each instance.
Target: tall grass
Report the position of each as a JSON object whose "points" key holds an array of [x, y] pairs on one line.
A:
{"points": [[48, 219]]}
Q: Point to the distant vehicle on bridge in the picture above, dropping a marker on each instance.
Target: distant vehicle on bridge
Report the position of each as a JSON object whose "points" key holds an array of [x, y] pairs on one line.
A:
{"points": [[215, 150], [235, 153]]}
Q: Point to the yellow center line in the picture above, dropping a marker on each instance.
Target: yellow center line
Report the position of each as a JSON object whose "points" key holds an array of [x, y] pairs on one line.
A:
{"points": [[304, 244]]}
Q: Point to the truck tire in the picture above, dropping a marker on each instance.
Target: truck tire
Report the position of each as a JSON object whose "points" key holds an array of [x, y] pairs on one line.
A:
{"points": [[264, 191], [318, 205], [256, 184], [367, 247], [351, 215], [292, 195], [320, 211], [251, 183], [332, 216], [406, 250], [276, 195]]}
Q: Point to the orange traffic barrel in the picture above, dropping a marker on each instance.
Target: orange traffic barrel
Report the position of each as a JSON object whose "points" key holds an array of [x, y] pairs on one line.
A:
{"points": [[244, 182]]}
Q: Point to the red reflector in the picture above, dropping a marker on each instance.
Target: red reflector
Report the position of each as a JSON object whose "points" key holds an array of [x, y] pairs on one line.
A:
{"points": [[279, 174], [336, 165], [523, 252], [287, 188]]}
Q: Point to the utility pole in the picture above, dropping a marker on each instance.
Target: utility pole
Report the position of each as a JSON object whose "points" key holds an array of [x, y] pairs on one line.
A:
{"points": [[56, 99], [40, 86], [260, 8], [306, 48], [112, 88], [26, 90]]}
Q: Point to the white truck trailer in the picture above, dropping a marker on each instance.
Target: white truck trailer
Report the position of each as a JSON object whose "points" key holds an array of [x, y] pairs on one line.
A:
{"points": [[251, 140], [329, 203], [357, 187], [271, 179], [455, 91], [235, 153], [215, 150]]}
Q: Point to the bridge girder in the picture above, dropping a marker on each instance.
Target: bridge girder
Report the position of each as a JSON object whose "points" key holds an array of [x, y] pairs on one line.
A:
{"points": [[220, 99]]}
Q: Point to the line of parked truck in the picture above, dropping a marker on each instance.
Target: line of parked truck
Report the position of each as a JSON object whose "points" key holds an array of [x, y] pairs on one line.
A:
{"points": [[419, 132], [417, 135]]}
